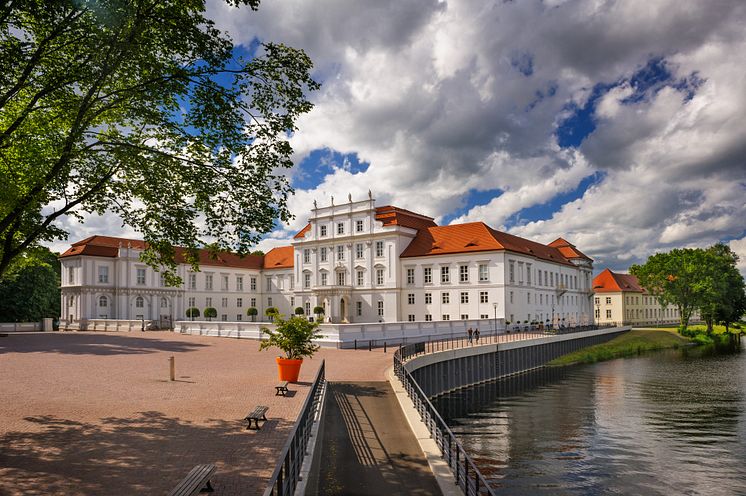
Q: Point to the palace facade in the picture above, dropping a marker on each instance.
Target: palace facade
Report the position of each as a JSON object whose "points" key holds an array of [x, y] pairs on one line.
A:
{"points": [[360, 262]]}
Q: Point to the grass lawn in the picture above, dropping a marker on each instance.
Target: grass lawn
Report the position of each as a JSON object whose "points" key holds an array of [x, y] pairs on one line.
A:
{"points": [[716, 328], [628, 344]]}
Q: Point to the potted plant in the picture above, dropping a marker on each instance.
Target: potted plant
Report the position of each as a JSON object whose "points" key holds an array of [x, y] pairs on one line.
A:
{"points": [[192, 312], [507, 326], [210, 313], [299, 311], [271, 313], [252, 312], [318, 311], [294, 337]]}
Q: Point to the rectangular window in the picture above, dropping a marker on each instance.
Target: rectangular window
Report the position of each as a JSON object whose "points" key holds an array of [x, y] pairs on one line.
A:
{"points": [[483, 297], [239, 283], [541, 297], [410, 276], [359, 250], [410, 298], [484, 274], [528, 274], [141, 277], [323, 253], [511, 297], [608, 314], [306, 280], [528, 298], [360, 277], [103, 274], [208, 281], [484, 316], [340, 228], [269, 284], [253, 302], [191, 302], [208, 301], [608, 300], [359, 308], [464, 297], [597, 313], [224, 302], [224, 283], [70, 275], [306, 256], [358, 226], [269, 301], [428, 298], [551, 278], [427, 275], [464, 316], [239, 317], [379, 276], [253, 284], [380, 308], [511, 274], [445, 298], [379, 249], [322, 230], [597, 300], [340, 252], [445, 275], [463, 273], [324, 278], [239, 302], [308, 308], [428, 317], [292, 302], [340, 278], [446, 317], [410, 318]]}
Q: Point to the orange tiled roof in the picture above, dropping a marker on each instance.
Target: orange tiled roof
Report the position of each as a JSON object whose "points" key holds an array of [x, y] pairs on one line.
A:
{"points": [[395, 216], [476, 237], [279, 258], [108, 246], [302, 232], [611, 282], [568, 249]]}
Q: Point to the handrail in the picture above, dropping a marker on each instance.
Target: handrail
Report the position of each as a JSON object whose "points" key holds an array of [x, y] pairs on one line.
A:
{"points": [[287, 472], [468, 477]]}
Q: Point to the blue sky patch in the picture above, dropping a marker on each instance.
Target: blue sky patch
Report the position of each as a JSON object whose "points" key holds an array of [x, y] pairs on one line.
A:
{"points": [[472, 199], [321, 163]]}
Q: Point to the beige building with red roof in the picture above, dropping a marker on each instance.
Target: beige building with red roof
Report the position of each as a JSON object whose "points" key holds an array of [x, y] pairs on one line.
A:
{"points": [[360, 262], [619, 298]]}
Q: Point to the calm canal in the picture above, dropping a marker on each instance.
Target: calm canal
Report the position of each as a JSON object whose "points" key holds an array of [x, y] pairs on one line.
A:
{"points": [[671, 422]]}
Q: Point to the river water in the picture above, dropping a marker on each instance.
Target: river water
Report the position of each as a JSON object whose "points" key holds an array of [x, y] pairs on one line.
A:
{"points": [[670, 422]]}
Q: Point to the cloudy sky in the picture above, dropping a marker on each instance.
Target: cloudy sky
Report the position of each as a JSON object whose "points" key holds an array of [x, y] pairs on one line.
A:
{"points": [[617, 125]]}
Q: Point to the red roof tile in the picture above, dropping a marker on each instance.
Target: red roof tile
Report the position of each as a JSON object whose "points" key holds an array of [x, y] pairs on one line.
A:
{"points": [[568, 249], [302, 232], [279, 258], [108, 246], [611, 282], [395, 216]]}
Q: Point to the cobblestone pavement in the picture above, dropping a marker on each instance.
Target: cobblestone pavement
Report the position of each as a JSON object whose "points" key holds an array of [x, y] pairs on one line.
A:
{"points": [[95, 413]]}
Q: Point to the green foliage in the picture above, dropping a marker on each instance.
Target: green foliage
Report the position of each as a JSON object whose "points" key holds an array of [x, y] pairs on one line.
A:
{"points": [[318, 310], [192, 313], [139, 107], [210, 313], [271, 312], [628, 344], [293, 336], [299, 311], [29, 290], [259, 253], [252, 312]]}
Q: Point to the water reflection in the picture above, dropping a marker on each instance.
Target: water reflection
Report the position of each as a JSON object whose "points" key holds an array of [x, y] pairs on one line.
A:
{"points": [[666, 423]]}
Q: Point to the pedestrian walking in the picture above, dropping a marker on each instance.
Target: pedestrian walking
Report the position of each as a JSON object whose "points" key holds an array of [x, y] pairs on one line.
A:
{"points": [[476, 335], [470, 333]]}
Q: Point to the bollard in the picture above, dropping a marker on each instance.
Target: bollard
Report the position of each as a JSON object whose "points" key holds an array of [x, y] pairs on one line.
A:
{"points": [[356, 344], [172, 366], [370, 345], [384, 346]]}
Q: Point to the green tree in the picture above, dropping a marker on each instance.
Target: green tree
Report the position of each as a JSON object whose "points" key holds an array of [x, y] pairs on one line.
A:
{"points": [[210, 313], [139, 107], [271, 312], [728, 302], [679, 277], [252, 312], [299, 311], [294, 336], [318, 311], [192, 313], [29, 289]]}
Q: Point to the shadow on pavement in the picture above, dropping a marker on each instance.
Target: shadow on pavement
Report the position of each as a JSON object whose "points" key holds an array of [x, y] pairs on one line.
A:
{"points": [[93, 344]]}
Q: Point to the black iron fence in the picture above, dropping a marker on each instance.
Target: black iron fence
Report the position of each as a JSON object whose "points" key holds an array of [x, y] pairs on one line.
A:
{"points": [[467, 475], [287, 472]]}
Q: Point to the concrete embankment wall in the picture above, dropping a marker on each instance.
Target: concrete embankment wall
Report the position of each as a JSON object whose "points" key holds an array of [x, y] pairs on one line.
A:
{"points": [[445, 371]]}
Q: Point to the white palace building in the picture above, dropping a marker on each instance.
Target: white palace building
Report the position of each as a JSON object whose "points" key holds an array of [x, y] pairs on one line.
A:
{"points": [[362, 263]]}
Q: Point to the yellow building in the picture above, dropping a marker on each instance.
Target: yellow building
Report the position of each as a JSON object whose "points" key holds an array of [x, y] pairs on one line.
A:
{"points": [[619, 298]]}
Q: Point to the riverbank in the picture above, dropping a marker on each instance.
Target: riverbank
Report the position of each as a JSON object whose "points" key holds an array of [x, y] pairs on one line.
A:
{"points": [[628, 344]]}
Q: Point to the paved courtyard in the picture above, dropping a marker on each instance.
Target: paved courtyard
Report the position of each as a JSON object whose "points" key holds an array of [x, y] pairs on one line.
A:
{"points": [[95, 413]]}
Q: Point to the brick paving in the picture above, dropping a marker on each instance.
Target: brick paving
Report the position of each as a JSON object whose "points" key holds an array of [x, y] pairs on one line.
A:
{"points": [[95, 413]]}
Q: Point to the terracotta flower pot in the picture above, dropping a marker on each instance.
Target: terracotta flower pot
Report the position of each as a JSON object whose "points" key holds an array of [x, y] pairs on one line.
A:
{"points": [[287, 369]]}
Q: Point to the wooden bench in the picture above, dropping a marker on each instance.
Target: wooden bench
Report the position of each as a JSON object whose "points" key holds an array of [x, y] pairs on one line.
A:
{"points": [[197, 481], [281, 388], [259, 413]]}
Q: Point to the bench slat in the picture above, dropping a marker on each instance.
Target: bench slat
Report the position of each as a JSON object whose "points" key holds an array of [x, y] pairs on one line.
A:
{"points": [[196, 479]]}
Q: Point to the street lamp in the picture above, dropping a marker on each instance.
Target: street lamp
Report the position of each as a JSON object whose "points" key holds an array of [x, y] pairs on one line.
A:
{"points": [[494, 305]]}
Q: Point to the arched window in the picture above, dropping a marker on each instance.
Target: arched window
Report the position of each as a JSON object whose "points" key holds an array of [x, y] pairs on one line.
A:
{"points": [[164, 302], [139, 302], [103, 301]]}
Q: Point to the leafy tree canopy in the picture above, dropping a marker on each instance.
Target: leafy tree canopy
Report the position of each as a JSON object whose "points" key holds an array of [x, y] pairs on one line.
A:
{"points": [[139, 107], [29, 289], [293, 336]]}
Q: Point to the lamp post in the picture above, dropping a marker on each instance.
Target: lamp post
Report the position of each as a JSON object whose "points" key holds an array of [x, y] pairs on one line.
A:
{"points": [[552, 321], [494, 305]]}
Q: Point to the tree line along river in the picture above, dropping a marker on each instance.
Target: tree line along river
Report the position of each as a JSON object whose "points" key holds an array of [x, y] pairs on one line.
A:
{"points": [[668, 422]]}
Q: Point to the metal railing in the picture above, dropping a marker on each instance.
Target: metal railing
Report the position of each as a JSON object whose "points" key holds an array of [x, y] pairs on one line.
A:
{"points": [[467, 475], [287, 472]]}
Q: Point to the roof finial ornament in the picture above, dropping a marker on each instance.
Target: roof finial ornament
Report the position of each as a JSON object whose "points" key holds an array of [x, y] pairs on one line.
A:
{"points": [[332, 201], [370, 195], [314, 204], [349, 197]]}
